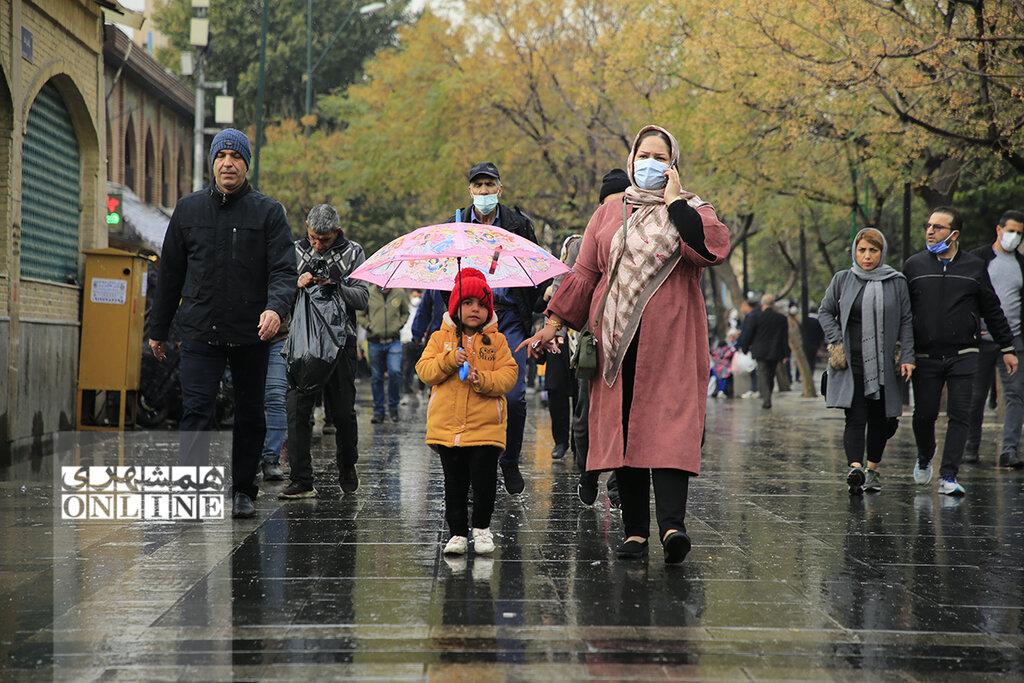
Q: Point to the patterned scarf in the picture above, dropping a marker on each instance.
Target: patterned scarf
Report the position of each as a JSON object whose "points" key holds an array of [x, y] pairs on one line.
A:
{"points": [[649, 247]]}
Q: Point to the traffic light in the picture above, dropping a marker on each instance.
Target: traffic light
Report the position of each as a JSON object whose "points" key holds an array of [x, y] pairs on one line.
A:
{"points": [[115, 205]]}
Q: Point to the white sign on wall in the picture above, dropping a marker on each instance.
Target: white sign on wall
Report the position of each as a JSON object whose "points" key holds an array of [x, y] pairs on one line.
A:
{"points": [[108, 291]]}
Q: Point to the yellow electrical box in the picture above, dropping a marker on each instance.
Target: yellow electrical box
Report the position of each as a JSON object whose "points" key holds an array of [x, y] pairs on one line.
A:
{"points": [[113, 314]]}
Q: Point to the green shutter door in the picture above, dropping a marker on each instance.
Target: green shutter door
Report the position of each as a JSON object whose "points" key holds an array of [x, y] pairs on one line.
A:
{"points": [[50, 191]]}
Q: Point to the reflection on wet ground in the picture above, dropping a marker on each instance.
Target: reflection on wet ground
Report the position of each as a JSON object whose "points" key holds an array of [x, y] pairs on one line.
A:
{"points": [[789, 577]]}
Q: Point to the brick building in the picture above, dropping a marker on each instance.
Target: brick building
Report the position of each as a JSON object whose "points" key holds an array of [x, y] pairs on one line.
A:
{"points": [[149, 123], [53, 173]]}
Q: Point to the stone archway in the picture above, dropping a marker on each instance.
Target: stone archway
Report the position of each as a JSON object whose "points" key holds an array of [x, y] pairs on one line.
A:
{"points": [[46, 351], [51, 190]]}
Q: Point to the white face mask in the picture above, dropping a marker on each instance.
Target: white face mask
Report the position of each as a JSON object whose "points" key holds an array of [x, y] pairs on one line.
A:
{"points": [[1009, 241], [415, 301]]}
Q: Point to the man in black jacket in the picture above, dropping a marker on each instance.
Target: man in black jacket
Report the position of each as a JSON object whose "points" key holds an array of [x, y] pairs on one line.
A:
{"points": [[325, 257], [950, 292], [766, 337], [1005, 267], [227, 258]]}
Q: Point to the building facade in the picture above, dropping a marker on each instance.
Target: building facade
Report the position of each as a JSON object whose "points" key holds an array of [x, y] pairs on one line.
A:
{"points": [[53, 173], [71, 96], [150, 117]]}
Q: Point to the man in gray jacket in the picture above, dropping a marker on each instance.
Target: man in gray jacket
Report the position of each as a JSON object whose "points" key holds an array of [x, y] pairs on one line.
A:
{"points": [[1006, 270]]}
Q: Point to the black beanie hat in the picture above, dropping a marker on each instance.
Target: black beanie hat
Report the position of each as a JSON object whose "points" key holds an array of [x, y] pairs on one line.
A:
{"points": [[614, 181]]}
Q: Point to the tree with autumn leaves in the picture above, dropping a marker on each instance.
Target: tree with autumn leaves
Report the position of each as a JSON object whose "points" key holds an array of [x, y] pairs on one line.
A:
{"points": [[790, 114]]}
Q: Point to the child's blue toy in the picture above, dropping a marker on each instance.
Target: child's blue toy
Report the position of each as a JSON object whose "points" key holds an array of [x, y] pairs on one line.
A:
{"points": [[464, 371]]}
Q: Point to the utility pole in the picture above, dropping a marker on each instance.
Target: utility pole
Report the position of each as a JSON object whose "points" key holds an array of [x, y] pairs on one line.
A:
{"points": [[309, 58], [199, 130], [260, 88], [197, 127], [199, 38]]}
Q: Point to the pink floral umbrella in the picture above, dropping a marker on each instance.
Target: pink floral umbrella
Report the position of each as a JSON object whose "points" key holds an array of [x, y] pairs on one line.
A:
{"points": [[430, 257]]}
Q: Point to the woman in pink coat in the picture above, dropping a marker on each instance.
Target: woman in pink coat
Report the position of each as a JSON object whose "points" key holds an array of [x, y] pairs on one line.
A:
{"points": [[647, 401]]}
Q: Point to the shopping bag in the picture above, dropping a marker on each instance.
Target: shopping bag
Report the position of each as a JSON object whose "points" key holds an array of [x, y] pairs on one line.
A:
{"points": [[316, 334], [743, 363]]}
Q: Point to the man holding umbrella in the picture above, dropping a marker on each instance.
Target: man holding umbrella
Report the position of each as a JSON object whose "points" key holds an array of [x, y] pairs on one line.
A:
{"points": [[513, 305]]}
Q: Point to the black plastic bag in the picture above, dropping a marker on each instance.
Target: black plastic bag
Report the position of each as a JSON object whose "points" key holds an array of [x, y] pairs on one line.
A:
{"points": [[315, 335]]}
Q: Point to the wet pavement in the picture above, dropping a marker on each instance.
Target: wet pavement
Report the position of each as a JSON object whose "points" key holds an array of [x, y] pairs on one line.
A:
{"points": [[789, 576]]}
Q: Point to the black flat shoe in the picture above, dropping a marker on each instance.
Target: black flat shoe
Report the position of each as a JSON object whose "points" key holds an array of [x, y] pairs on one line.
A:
{"points": [[855, 480], [632, 550], [242, 506], [677, 546], [514, 482], [349, 479], [586, 489]]}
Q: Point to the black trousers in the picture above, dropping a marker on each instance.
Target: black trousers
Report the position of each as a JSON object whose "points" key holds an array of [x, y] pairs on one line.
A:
{"points": [[340, 403], [465, 467], [670, 491], [581, 424], [202, 367], [671, 486], [560, 409], [866, 414], [766, 380], [956, 373], [560, 381]]}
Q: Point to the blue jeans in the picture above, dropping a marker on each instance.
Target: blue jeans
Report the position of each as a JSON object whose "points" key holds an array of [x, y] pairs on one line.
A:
{"points": [[274, 404], [510, 326], [385, 357]]}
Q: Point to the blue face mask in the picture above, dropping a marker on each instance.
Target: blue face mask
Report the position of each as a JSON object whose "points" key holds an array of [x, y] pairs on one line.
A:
{"points": [[485, 203], [649, 173], [940, 247]]}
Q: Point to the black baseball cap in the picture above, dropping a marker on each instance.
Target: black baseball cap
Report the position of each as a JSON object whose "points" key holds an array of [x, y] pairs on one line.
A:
{"points": [[483, 168]]}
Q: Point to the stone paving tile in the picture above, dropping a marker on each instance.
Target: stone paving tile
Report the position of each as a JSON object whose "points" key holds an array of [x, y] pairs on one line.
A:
{"points": [[789, 578]]}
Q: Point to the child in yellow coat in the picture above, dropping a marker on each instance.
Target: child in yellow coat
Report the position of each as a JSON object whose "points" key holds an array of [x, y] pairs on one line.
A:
{"points": [[466, 420]]}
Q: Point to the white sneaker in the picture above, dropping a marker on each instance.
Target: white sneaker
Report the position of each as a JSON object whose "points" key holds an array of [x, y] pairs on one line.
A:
{"points": [[950, 487], [483, 542], [456, 563], [456, 545], [922, 477], [483, 569]]}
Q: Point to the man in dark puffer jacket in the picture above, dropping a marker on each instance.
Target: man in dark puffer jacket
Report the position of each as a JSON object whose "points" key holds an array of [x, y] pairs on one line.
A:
{"points": [[228, 271]]}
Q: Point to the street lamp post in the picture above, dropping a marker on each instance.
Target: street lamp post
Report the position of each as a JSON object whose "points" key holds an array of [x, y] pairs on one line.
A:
{"points": [[260, 90], [311, 66]]}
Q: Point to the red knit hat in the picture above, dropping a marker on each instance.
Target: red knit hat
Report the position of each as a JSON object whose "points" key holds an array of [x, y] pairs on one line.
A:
{"points": [[473, 284]]}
